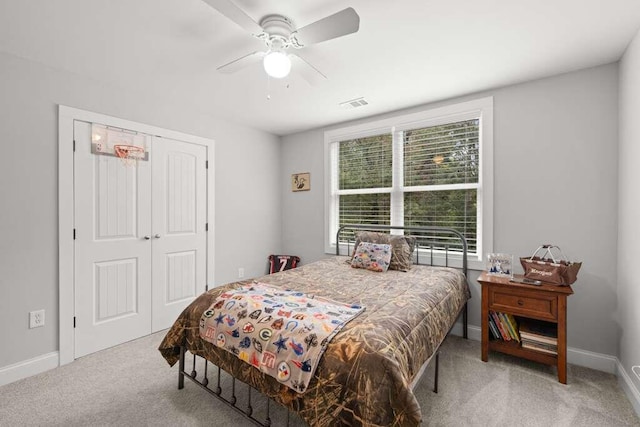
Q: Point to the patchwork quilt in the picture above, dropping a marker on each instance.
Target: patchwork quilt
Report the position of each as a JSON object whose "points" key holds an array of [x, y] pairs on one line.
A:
{"points": [[281, 332]]}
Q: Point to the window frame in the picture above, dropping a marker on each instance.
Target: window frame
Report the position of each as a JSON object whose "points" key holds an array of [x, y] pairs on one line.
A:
{"points": [[481, 109]]}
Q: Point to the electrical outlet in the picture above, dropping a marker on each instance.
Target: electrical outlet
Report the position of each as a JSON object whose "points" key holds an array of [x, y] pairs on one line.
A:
{"points": [[240, 272], [36, 319]]}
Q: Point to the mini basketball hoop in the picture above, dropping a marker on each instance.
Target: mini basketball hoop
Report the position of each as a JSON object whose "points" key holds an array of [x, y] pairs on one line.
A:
{"points": [[129, 154]]}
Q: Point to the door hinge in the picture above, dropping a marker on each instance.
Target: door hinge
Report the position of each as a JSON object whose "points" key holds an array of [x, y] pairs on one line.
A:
{"points": [[206, 227], [74, 321], [206, 287], [74, 234], [206, 164], [74, 145]]}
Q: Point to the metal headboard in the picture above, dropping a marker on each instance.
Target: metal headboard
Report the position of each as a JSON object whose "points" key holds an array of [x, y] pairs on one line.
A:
{"points": [[429, 242]]}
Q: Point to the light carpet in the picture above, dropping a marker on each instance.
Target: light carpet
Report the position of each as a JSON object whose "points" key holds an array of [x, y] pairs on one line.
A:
{"points": [[132, 385]]}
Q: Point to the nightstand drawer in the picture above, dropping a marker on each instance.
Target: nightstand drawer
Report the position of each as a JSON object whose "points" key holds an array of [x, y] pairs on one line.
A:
{"points": [[520, 302]]}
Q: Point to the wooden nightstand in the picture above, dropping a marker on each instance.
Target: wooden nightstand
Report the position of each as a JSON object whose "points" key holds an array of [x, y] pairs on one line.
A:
{"points": [[544, 302]]}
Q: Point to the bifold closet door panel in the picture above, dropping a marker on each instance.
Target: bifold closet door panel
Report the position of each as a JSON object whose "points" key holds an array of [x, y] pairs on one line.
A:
{"points": [[179, 221], [112, 269]]}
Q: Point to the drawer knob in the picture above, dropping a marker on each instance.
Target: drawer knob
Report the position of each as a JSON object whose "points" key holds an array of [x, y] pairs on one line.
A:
{"points": [[520, 302]]}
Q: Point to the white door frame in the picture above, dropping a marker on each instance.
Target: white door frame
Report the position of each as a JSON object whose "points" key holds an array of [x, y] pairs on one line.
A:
{"points": [[66, 117]]}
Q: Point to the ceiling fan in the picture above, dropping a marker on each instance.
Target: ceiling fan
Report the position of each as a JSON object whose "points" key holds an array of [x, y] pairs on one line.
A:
{"points": [[279, 34]]}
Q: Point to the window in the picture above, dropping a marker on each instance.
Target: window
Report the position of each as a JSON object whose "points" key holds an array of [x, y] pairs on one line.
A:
{"points": [[432, 168]]}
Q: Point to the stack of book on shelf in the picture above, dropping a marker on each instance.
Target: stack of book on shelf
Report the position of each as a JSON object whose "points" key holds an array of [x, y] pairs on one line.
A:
{"points": [[539, 335], [503, 326]]}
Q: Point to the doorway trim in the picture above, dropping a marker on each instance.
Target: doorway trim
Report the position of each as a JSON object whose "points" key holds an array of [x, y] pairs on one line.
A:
{"points": [[66, 220]]}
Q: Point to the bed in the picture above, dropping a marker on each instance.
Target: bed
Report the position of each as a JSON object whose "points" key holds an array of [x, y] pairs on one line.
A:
{"points": [[367, 372]]}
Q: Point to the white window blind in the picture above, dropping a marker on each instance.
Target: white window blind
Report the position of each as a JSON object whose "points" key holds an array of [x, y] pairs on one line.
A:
{"points": [[441, 155], [365, 209], [365, 168], [365, 162], [441, 168]]}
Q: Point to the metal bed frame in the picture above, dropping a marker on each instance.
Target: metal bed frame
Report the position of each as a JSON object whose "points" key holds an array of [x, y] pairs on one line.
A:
{"points": [[429, 245]]}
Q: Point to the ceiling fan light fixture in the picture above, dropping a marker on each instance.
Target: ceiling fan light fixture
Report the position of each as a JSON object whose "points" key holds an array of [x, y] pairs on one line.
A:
{"points": [[277, 64]]}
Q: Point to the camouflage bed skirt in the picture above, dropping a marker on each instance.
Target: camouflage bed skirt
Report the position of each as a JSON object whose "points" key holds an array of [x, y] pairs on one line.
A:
{"points": [[365, 374]]}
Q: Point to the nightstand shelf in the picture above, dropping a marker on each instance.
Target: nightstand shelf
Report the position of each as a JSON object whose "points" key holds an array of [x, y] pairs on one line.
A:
{"points": [[514, 348], [546, 302]]}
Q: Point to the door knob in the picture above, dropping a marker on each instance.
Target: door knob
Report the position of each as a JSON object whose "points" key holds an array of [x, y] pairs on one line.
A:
{"points": [[147, 237], [157, 236]]}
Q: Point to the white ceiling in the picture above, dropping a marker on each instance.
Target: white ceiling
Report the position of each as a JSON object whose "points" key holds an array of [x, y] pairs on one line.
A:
{"points": [[406, 53]]}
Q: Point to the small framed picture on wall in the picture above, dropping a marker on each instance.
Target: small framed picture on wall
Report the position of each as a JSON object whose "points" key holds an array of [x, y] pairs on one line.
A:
{"points": [[301, 181]]}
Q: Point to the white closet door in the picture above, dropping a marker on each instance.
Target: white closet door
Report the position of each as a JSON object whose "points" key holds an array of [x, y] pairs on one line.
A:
{"points": [[179, 219], [112, 257]]}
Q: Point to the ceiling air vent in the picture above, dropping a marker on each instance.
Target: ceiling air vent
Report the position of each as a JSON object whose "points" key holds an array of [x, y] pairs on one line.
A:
{"points": [[354, 103]]}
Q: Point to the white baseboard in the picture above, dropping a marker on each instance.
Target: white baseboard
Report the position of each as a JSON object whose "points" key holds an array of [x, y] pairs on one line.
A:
{"points": [[27, 368], [630, 389], [575, 356], [589, 359]]}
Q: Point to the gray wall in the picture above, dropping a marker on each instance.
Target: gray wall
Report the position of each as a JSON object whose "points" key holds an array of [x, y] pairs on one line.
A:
{"points": [[629, 211], [555, 143], [248, 214]]}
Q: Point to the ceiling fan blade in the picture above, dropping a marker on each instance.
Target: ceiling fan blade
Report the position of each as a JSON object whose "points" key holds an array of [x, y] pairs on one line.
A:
{"points": [[311, 74], [242, 62], [339, 24], [237, 15]]}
